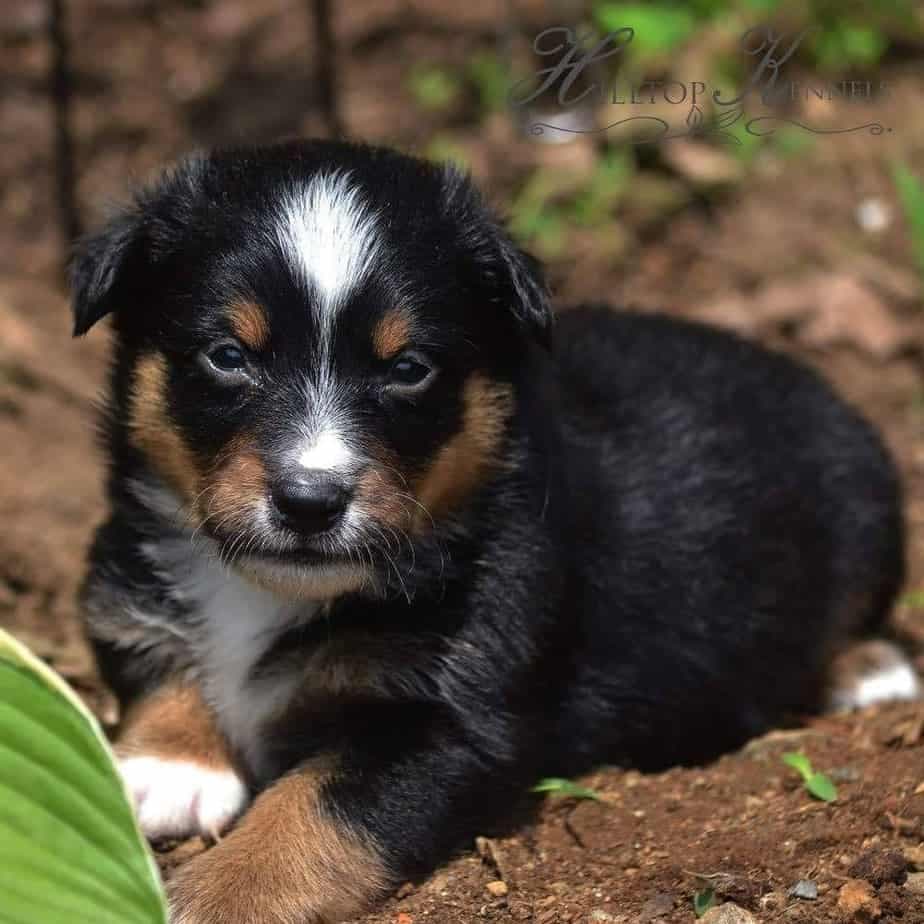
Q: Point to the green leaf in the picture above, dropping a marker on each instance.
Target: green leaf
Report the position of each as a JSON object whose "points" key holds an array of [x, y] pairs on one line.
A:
{"points": [[800, 763], [434, 88], [659, 27], [488, 73], [703, 901], [821, 787], [70, 848], [565, 789], [911, 194]]}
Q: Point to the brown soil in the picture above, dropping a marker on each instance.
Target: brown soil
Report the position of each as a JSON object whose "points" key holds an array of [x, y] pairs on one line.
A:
{"points": [[782, 258]]}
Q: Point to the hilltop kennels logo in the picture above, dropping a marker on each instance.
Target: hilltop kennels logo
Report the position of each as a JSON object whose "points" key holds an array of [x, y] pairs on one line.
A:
{"points": [[577, 62]]}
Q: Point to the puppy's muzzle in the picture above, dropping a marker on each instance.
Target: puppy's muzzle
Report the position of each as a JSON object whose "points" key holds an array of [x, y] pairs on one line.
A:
{"points": [[310, 504]]}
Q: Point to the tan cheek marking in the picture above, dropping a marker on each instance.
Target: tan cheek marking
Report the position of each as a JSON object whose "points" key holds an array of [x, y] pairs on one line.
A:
{"points": [[465, 460], [286, 860], [173, 723], [236, 488], [250, 324], [153, 432], [391, 334], [379, 493]]}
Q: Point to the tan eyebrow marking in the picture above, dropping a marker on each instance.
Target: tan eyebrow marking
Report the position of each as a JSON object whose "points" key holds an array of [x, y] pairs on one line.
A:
{"points": [[250, 324], [391, 334]]}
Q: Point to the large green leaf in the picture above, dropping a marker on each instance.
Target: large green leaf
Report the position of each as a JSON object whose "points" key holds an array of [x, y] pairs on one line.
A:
{"points": [[70, 849]]}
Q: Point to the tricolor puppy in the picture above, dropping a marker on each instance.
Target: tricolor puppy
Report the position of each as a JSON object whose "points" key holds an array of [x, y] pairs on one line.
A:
{"points": [[384, 548]]}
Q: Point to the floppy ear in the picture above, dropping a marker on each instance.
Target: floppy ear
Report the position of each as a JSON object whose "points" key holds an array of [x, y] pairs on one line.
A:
{"points": [[517, 276], [102, 269], [529, 295]]}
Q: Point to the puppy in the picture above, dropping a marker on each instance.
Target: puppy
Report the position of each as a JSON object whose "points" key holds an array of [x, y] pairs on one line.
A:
{"points": [[384, 549]]}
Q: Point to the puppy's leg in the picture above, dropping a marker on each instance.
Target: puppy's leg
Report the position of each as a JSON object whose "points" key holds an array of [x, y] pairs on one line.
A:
{"points": [[291, 860], [177, 768], [329, 838]]}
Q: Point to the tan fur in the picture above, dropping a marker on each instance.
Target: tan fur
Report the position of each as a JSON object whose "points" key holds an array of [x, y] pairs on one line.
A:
{"points": [[465, 460], [235, 488], [287, 861], [153, 432], [382, 494], [250, 324], [391, 334], [173, 723]]}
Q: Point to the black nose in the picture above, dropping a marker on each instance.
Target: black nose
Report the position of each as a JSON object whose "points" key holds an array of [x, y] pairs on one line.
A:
{"points": [[311, 504]]}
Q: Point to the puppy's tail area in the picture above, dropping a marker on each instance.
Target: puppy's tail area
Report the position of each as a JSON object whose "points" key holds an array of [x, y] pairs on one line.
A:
{"points": [[872, 671]]}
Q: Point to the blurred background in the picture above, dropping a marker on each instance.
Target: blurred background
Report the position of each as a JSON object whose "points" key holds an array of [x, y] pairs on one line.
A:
{"points": [[807, 234]]}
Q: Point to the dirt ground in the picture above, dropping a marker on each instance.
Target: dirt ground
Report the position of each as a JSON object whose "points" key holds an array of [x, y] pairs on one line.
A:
{"points": [[781, 256]]}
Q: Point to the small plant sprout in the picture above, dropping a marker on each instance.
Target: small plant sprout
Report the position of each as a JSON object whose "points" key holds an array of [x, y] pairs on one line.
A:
{"points": [[565, 789], [818, 784], [911, 195], [703, 901]]}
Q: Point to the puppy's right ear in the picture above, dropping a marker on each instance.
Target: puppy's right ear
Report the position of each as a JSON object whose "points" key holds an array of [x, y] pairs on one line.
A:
{"points": [[105, 269]]}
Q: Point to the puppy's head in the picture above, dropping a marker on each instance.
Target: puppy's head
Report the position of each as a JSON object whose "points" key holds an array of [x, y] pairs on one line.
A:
{"points": [[316, 345]]}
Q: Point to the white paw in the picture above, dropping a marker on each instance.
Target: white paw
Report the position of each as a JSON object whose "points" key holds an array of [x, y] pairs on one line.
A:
{"points": [[873, 672], [178, 799]]}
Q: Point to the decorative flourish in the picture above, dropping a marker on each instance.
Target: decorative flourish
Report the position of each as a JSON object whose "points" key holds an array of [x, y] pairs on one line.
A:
{"points": [[540, 128], [695, 120], [874, 128]]}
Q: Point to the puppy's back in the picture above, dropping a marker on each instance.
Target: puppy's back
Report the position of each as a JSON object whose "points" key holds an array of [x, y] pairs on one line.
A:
{"points": [[736, 520]]}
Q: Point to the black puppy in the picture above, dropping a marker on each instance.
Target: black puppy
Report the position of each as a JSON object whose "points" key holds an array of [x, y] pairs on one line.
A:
{"points": [[384, 548]]}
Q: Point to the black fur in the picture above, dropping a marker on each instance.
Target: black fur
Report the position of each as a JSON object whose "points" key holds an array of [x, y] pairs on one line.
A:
{"points": [[684, 527]]}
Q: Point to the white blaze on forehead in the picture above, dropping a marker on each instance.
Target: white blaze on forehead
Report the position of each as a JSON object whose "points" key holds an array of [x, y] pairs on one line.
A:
{"points": [[330, 236], [327, 452]]}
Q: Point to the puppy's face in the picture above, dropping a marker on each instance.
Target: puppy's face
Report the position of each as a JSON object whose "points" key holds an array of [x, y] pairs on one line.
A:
{"points": [[316, 350]]}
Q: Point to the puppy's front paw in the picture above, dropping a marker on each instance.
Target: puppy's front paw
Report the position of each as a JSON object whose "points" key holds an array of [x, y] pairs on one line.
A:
{"points": [[179, 799]]}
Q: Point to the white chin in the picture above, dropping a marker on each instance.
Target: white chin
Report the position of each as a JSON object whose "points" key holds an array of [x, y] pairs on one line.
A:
{"points": [[309, 582]]}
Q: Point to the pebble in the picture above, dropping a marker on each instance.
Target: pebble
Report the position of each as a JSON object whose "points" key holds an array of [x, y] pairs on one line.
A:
{"points": [[858, 900], [873, 215], [915, 857], [805, 889], [656, 907], [498, 888], [773, 901], [729, 913], [404, 918], [915, 883], [879, 866]]}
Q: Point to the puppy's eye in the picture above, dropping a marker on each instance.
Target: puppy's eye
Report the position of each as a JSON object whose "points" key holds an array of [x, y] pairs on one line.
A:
{"points": [[228, 360], [410, 373]]}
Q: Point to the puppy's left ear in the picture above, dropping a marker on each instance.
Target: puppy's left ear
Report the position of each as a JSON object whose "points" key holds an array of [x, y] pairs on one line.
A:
{"points": [[516, 276], [104, 271], [528, 293]]}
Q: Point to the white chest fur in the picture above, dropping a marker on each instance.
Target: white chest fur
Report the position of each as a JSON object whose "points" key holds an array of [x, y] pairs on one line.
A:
{"points": [[233, 624]]}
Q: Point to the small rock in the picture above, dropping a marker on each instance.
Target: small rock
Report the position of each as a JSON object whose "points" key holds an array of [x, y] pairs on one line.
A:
{"points": [[729, 913], [915, 883], [407, 889], [878, 867], [498, 888], [805, 889], [773, 901], [915, 857], [656, 907], [858, 900], [404, 918], [599, 916], [873, 215]]}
